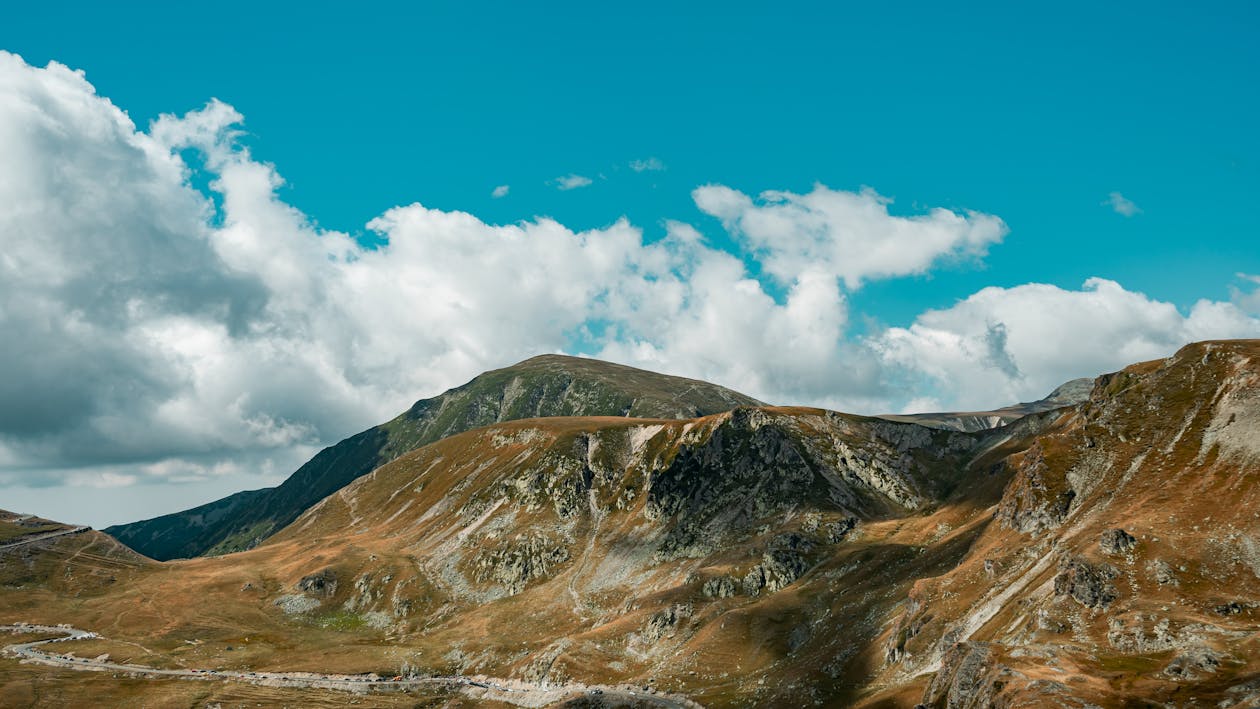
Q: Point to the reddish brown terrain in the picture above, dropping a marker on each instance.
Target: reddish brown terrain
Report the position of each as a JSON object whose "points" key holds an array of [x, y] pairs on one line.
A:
{"points": [[1104, 554]]}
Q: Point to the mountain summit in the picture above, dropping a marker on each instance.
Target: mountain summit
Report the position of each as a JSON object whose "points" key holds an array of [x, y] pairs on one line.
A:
{"points": [[547, 385]]}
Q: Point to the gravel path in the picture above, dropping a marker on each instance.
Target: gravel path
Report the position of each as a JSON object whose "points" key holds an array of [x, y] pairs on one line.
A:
{"points": [[516, 692]]}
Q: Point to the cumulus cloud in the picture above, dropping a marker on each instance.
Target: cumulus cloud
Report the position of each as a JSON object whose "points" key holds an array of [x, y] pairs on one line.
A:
{"points": [[1122, 205], [1016, 344], [850, 235], [571, 182], [155, 334], [648, 165], [500, 191]]}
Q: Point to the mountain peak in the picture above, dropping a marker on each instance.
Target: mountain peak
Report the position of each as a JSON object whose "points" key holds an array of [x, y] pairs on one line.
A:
{"points": [[543, 386]]}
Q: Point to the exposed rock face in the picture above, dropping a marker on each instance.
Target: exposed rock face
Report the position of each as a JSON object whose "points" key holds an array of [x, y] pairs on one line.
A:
{"points": [[1162, 572], [1039, 498], [755, 465], [964, 679], [1089, 584], [719, 587], [665, 622], [521, 561]]}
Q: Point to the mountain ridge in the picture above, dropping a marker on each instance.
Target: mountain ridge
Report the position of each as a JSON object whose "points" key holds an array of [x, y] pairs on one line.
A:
{"points": [[544, 385]]}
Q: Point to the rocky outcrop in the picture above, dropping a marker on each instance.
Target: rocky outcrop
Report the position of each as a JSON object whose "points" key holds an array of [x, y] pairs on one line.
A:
{"points": [[322, 583], [1039, 497], [665, 622], [1088, 584], [514, 565], [1117, 541], [965, 679], [719, 587], [1193, 664]]}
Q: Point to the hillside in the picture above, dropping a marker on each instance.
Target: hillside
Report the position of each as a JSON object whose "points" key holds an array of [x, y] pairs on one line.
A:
{"points": [[549, 385], [1103, 555]]}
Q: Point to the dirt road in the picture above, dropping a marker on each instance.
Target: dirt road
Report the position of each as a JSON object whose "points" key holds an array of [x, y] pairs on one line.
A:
{"points": [[30, 539], [516, 692]]}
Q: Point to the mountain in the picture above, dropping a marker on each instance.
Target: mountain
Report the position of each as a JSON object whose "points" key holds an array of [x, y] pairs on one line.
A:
{"points": [[548, 385], [1067, 394], [1122, 565], [1105, 554]]}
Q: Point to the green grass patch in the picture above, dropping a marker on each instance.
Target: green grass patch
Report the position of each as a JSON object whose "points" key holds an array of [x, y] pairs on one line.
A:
{"points": [[341, 621]]}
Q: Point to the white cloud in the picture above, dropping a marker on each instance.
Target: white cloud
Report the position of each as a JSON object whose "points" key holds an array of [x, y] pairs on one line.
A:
{"points": [[500, 191], [1122, 205], [850, 235], [1249, 301], [648, 165], [571, 182], [1016, 344]]}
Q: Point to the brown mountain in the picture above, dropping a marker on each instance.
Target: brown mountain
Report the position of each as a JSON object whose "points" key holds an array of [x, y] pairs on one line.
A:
{"points": [[1101, 555]]}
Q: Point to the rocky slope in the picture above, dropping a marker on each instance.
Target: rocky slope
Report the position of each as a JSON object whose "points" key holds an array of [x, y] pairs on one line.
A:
{"points": [[549, 385], [1122, 567]]}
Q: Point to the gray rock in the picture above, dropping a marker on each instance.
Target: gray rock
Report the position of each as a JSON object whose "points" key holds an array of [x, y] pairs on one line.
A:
{"points": [[665, 622], [1162, 572], [520, 562], [754, 580], [719, 587], [1117, 541], [1089, 584], [834, 532], [1193, 664], [322, 583]]}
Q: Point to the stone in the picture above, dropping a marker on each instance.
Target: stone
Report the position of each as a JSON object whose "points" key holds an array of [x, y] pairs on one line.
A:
{"points": [[1088, 584], [719, 587], [1117, 541], [322, 583]]}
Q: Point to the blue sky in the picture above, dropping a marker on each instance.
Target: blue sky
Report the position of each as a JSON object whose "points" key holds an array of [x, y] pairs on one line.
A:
{"points": [[1058, 191], [1032, 113]]}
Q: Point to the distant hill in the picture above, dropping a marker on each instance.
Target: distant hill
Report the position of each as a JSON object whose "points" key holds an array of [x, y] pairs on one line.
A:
{"points": [[548, 385], [1068, 394]]}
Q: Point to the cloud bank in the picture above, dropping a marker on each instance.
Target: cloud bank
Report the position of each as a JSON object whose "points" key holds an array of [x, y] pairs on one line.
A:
{"points": [[158, 333]]}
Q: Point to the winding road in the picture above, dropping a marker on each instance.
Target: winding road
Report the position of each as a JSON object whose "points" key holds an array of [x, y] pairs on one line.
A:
{"points": [[516, 692], [32, 538]]}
